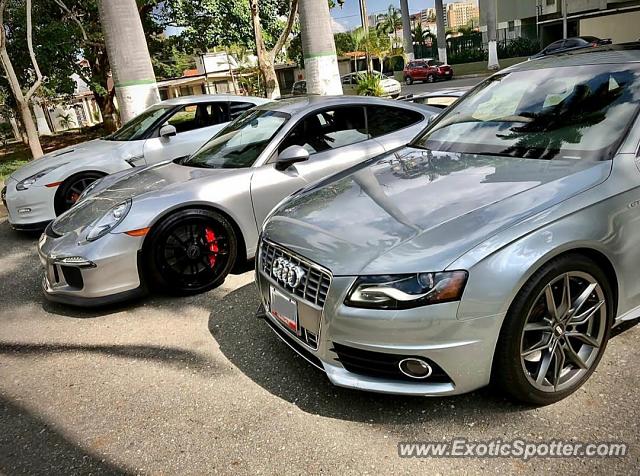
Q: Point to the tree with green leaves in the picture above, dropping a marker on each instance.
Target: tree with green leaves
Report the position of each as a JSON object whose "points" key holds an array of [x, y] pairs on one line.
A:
{"points": [[391, 23], [22, 99]]}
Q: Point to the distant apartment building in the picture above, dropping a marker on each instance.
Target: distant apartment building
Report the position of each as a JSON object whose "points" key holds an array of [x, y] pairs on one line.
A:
{"points": [[542, 19], [461, 14]]}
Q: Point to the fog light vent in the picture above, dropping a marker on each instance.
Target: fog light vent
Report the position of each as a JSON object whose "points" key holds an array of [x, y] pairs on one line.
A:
{"points": [[415, 368]]}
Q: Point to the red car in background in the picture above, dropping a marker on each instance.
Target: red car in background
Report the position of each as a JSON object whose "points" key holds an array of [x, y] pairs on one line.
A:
{"points": [[428, 70]]}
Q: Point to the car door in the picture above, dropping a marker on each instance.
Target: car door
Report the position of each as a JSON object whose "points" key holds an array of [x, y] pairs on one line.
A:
{"points": [[194, 123], [336, 138]]}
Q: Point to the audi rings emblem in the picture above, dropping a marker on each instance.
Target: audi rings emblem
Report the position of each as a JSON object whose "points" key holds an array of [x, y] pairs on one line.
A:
{"points": [[287, 272]]}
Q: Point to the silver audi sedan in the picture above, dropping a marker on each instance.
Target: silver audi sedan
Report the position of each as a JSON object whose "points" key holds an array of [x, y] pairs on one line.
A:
{"points": [[183, 226], [502, 244]]}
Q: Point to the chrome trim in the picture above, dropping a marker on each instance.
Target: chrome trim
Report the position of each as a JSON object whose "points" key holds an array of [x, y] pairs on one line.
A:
{"points": [[415, 359]]}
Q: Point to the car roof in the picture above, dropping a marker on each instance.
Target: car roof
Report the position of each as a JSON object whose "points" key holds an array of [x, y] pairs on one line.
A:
{"points": [[609, 54], [302, 104], [200, 98]]}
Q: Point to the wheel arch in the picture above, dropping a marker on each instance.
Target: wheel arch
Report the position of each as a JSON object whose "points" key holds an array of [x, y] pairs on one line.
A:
{"points": [[73, 175]]}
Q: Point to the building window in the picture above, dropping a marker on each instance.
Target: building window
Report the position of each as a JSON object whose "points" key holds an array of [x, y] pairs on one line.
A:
{"points": [[551, 2], [512, 26]]}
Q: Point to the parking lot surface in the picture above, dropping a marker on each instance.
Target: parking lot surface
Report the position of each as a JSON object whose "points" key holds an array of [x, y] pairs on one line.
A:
{"points": [[198, 385]]}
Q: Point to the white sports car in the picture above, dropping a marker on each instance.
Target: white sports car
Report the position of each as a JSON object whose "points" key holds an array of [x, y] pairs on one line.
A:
{"points": [[43, 189]]}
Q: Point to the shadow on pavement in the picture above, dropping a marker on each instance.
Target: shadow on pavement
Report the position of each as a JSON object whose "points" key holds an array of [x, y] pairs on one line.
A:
{"points": [[171, 356], [250, 345], [29, 446]]}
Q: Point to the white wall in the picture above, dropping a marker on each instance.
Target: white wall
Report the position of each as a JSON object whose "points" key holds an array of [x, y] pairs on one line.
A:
{"points": [[621, 28]]}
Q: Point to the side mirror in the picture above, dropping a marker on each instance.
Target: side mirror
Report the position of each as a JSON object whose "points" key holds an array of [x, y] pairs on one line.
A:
{"points": [[168, 131], [291, 155]]}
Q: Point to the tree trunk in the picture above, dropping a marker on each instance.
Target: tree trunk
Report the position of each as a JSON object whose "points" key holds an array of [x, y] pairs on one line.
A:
{"points": [[406, 29], [272, 87], [491, 35], [320, 60], [442, 34], [133, 75], [22, 104], [107, 110]]}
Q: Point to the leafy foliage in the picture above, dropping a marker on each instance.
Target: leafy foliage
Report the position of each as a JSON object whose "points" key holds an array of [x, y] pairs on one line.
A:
{"points": [[369, 85]]}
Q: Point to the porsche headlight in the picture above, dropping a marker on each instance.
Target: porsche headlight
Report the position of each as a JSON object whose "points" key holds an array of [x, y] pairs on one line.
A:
{"points": [[407, 290], [109, 221], [29, 181]]}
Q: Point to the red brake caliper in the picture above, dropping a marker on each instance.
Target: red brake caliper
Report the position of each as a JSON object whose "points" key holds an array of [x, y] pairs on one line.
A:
{"points": [[212, 242]]}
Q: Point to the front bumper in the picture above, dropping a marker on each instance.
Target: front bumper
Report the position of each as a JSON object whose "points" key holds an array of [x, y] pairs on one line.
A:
{"points": [[29, 209], [102, 272], [360, 348]]}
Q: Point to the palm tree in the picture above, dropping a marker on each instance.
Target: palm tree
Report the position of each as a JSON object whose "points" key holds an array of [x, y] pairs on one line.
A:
{"points": [[391, 23], [129, 58], [319, 48]]}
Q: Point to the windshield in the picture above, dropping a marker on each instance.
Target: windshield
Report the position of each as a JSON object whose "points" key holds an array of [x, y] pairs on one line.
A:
{"points": [[137, 127], [580, 112], [240, 143]]}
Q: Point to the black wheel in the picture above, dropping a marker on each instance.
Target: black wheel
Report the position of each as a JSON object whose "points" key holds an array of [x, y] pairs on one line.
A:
{"points": [[431, 78], [555, 333], [190, 252], [71, 189], [408, 80]]}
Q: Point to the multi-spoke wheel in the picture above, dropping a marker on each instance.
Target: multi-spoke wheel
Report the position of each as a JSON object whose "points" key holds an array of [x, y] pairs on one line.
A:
{"points": [[556, 331], [190, 252], [71, 189]]}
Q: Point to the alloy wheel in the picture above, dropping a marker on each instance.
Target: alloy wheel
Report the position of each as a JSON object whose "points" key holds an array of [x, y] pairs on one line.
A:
{"points": [[564, 332], [195, 253]]}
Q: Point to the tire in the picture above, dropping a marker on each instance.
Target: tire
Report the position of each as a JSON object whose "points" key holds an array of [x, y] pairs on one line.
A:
{"points": [[431, 78], [71, 189], [190, 252], [408, 80], [521, 355]]}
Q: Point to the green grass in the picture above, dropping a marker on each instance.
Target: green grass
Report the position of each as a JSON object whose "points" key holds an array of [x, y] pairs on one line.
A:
{"points": [[12, 163], [15, 155], [480, 67]]}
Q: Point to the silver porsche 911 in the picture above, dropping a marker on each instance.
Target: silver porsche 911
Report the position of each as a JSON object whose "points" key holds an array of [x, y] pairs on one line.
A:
{"points": [[182, 226], [503, 243]]}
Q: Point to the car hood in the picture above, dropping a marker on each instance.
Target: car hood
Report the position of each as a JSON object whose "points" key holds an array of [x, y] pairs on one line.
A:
{"points": [[155, 182], [74, 153], [420, 210]]}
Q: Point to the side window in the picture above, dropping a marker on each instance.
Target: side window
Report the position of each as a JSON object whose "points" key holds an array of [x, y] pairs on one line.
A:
{"points": [[184, 118], [572, 43], [329, 129], [387, 119], [237, 108], [554, 46], [197, 116]]}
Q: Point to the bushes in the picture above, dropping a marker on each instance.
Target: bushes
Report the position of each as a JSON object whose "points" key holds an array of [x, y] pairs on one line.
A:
{"points": [[369, 85], [506, 49], [518, 47]]}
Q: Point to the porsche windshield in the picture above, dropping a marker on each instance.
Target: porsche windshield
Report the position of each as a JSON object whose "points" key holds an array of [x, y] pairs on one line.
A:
{"points": [[578, 112], [240, 143]]}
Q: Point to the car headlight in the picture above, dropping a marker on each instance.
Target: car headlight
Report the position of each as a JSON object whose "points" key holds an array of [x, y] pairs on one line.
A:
{"points": [[29, 181], [406, 291], [87, 191], [109, 221]]}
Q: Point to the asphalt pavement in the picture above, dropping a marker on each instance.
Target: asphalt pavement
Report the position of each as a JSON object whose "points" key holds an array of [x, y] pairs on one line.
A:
{"points": [[429, 87], [198, 385]]}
